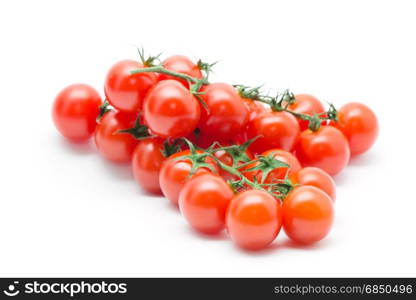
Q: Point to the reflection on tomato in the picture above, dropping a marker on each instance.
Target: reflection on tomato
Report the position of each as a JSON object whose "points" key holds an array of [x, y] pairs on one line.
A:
{"points": [[113, 145], [147, 162], [170, 110], [203, 202], [315, 177], [254, 219], [359, 124], [274, 130], [327, 148], [308, 214], [75, 110], [126, 91]]}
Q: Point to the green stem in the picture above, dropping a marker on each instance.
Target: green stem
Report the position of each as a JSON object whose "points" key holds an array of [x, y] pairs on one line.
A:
{"points": [[277, 104], [162, 70]]}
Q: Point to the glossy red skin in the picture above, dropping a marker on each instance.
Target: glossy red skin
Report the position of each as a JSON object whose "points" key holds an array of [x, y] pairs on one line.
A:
{"points": [[126, 91], [114, 146], [175, 173], [315, 177], [147, 162], [276, 130], [279, 173], [308, 105], [255, 108], [326, 148], [170, 110], [75, 110], [240, 138], [227, 159], [359, 124], [308, 214], [227, 114], [203, 202], [180, 64], [254, 219]]}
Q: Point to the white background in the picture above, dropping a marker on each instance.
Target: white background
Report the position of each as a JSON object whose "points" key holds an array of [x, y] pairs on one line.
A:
{"points": [[64, 211]]}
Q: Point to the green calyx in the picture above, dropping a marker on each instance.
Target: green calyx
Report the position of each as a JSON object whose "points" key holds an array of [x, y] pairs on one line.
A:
{"points": [[282, 189], [171, 147], [314, 122], [238, 153], [332, 113], [138, 131], [267, 164], [197, 160], [104, 108], [150, 60], [206, 67]]}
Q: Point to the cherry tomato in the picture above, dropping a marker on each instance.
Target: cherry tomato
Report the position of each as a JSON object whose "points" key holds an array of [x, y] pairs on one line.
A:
{"points": [[175, 173], [126, 91], [227, 114], [240, 138], [315, 177], [255, 108], [111, 144], [254, 219], [180, 64], [278, 173], [308, 214], [228, 160], [275, 130], [170, 110], [327, 148], [359, 124], [75, 110], [308, 105], [203, 202], [147, 162]]}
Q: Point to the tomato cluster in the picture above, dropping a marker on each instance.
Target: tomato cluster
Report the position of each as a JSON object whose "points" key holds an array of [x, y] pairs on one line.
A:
{"points": [[230, 157]]}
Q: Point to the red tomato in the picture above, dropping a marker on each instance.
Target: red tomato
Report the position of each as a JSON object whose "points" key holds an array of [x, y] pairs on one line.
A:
{"points": [[227, 114], [308, 105], [175, 173], [308, 214], [228, 160], [254, 219], [203, 202], [240, 138], [180, 64], [126, 91], [147, 162], [359, 124], [111, 144], [278, 173], [255, 108], [75, 110], [315, 177], [276, 130], [327, 148], [170, 110]]}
